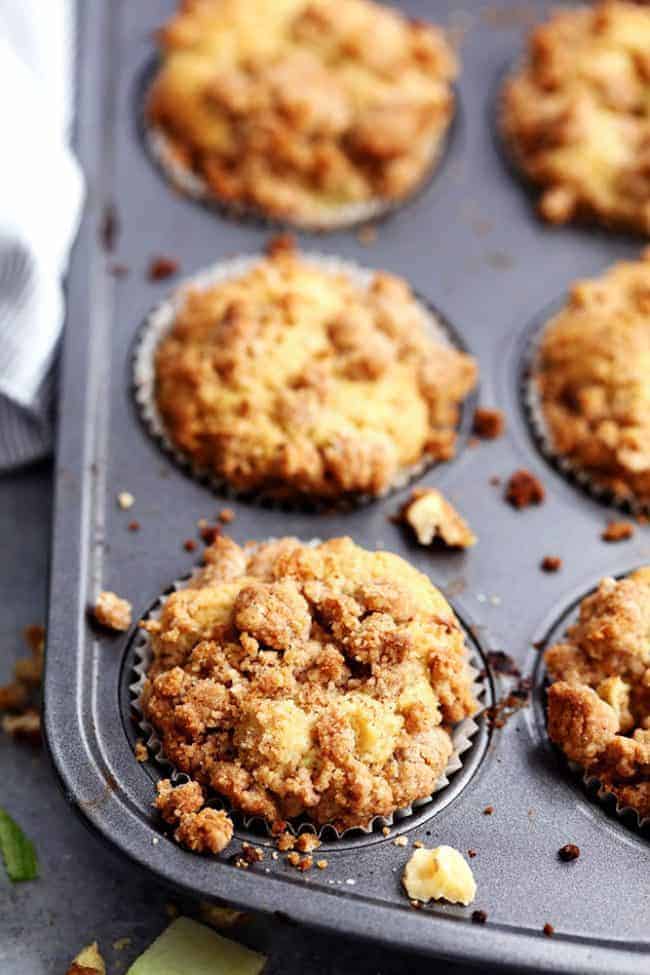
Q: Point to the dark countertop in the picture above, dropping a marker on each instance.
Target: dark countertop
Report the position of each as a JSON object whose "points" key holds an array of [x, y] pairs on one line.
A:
{"points": [[85, 893]]}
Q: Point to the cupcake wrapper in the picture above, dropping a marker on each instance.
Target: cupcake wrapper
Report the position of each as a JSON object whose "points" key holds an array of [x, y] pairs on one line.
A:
{"points": [[608, 799], [537, 422], [161, 319], [462, 735]]}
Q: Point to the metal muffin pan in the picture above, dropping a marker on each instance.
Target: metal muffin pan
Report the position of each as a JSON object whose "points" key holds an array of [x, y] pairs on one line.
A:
{"points": [[471, 245]]}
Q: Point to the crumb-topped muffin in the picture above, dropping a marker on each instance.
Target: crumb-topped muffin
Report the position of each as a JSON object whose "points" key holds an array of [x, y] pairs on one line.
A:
{"points": [[592, 377], [308, 679], [599, 703], [301, 108], [297, 379], [577, 114]]}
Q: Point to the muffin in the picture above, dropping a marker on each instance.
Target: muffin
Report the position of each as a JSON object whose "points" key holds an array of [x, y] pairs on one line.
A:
{"points": [[599, 701], [305, 379], [317, 680], [576, 115], [303, 110], [592, 380]]}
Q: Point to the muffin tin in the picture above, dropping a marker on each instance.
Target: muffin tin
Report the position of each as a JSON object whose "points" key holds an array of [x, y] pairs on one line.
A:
{"points": [[471, 245]]}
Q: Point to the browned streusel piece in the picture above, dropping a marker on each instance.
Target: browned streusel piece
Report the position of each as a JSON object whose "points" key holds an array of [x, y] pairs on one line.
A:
{"points": [[431, 517], [576, 115], [307, 679], [112, 611], [199, 829], [524, 489], [299, 381], [599, 703], [488, 423], [592, 379], [299, 111]]}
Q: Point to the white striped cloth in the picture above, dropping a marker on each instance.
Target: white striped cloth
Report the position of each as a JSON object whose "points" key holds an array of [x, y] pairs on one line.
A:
{"points": [[41, 193]]}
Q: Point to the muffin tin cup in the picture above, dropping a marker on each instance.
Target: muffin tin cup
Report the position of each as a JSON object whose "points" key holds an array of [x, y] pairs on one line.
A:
{"points": [[533, 408], [603, 794], [462, 736], [160, 321]]}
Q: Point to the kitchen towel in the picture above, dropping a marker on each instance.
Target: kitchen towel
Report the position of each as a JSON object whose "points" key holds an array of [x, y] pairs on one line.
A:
{"points": [[41, 193]]}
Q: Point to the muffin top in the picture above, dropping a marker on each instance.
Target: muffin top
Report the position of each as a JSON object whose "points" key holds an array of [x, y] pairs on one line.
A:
{"points": [[599, 703], [593, 378], [308, 679], [297, 379], [298, 108], [577, 114]]}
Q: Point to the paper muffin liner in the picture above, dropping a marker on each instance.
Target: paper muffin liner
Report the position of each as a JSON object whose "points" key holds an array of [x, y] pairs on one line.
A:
{"points": [[159, 322], [534, 410], [608, 799], [159, 147], [461, 735]]}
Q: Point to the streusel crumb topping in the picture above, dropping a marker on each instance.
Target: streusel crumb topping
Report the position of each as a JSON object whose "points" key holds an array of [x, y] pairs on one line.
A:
{"points": [[299, 107], [599, 703], [593, 378], [295, 380], [321, 680], [577, 114]]}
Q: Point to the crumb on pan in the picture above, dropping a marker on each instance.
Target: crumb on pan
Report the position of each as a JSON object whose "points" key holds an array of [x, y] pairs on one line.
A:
{"points": [[161, 268], [198, 827], [439, 874], [576, 114], [25, 726], [295, 679], [599, 701], [569, 852], [298, 381], [125, 500], [488, 423], [618, 531], [431, 517], [220, 916], [592, 379], [551, 563], [112, 611], [524, 489], [140, 751], [299, 109]]}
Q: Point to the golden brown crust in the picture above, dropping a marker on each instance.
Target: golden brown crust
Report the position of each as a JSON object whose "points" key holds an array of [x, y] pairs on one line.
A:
{"points": [[599, 703], [318, 680], [577, 114], [294, 381], [592, 379], [296, 107]]}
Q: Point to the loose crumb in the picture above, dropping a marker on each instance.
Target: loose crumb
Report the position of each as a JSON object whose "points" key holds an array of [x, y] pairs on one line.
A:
{"points": [[285, 842], [125, 500], [432, 518], [322, 864], [618, 531], [385, 830], [189, 545], [161, 268], [479, 917], [134, 526], [305, 863], [489, 424], [488, 810], [219, 917], [226, 516], [281, 244], [569, 852], [23, 727], [252, 854], [551, 563], [418, 844], [400, 841], [293, 858], [524, 489], [140, 751], [112, 611], [548, 930], [439, 874], [471, 854], [307, 842], [88, 962]]}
